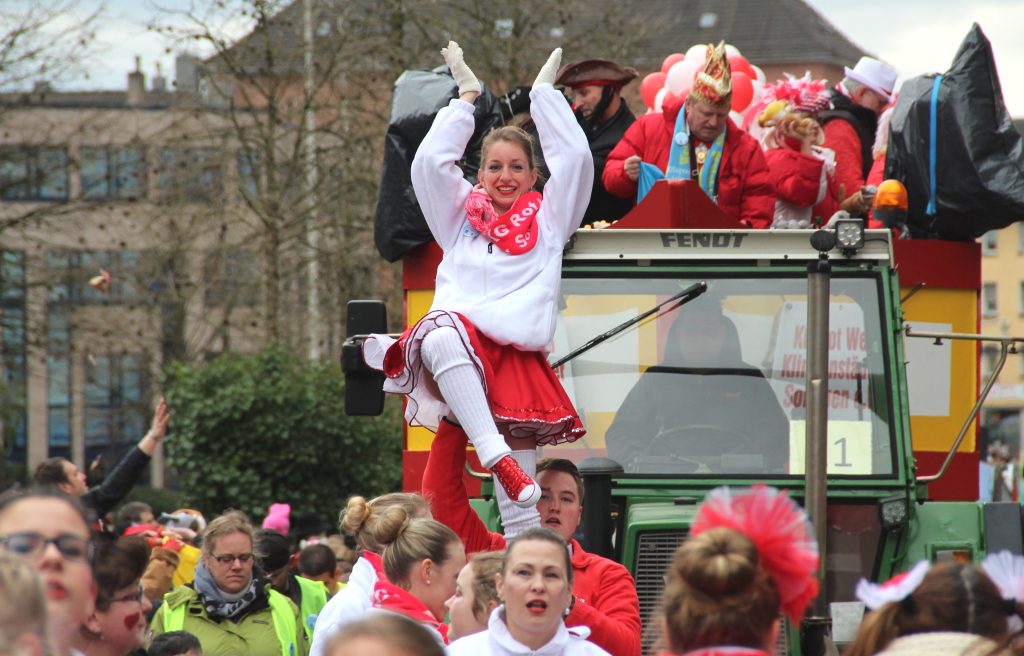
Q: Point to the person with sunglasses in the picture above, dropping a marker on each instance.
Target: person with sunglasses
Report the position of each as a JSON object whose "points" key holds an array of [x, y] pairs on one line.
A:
{"points": [[231, 606], [118, 625], [50, 531]]}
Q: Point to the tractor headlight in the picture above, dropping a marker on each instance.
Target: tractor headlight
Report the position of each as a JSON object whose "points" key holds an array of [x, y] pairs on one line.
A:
{"points": [[893, 512]]}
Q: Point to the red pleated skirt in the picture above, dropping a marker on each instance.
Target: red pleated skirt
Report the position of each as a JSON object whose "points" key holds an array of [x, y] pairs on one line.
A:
{"points": [[526, 398]]}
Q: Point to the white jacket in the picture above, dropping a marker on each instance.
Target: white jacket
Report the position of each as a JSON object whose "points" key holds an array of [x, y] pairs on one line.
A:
{"points": [[511, 298], [349, 605], [497, 641]]}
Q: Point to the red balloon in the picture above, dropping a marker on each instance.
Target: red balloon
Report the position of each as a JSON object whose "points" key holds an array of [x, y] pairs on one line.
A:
{"points": [[650, 86], [739, 64], [671, 59], [742, 91]]}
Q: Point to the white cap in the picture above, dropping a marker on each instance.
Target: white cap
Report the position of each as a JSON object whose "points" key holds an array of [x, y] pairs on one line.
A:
{"points": [[879, 77]]}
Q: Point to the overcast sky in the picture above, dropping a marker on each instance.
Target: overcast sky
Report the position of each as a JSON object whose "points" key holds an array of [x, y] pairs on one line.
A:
{"points": [[915, 36]]}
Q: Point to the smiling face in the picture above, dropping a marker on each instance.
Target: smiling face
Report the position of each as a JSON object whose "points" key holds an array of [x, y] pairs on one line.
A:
{"points": [[67, 582], [123, 625], [536, 589], [232, 576], [507, 173], [560, 506]]}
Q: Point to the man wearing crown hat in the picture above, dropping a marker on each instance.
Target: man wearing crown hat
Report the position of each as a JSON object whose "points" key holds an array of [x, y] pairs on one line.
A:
{"points": [[604, 116], [849, 124], [694, 139]]}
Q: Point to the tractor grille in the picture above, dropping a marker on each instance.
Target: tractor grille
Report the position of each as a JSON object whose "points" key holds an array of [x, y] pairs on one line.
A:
{"points": [[654, 556]]}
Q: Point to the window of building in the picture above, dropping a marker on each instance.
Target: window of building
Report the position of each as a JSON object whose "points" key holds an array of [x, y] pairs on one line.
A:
{"points": [[58, 368], [989, 357], [189, 175], [12, 345], [990, 242], [116, 403], [33, 173], [231, 277], [249, 172], [113, 173], [989, 305], [69, 272]]}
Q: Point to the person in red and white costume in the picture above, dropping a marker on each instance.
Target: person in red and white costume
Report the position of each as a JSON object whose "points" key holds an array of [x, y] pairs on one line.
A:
{"points": [[535, 586], [356, 598], [478, 356], [604, 594], [849, 124], [702, 145], [750, 557]]}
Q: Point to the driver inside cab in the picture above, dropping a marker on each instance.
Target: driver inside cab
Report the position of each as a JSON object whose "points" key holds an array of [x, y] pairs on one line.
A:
{"points": [[701, 403]]}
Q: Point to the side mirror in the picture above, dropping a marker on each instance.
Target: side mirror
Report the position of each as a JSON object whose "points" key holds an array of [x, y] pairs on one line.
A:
{"points": [[364, 393]]}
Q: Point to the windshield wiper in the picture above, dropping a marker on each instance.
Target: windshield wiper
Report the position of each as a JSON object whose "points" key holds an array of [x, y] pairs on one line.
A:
{"points": [[683, 297]]}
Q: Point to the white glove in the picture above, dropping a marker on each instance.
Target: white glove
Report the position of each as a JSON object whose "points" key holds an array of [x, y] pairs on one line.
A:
{"points": [[549, 71], [464, 78]]}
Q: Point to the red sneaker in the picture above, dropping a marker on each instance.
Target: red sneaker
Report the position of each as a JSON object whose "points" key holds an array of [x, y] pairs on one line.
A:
{"points": [[520, 488]]}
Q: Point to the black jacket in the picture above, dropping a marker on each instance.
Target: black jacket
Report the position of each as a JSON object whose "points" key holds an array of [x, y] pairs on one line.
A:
{"points": [[115, 487], [602, 138], [863, 120]]}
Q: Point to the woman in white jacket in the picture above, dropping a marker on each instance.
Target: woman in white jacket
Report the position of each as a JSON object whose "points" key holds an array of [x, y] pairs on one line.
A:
{"points": [[535, 586], [478, 357]]}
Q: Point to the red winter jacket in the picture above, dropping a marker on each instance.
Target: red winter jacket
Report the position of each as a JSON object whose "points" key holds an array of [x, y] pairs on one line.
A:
{"points": [[745, 189], [842, 138], [797, 180], [606, 599]]}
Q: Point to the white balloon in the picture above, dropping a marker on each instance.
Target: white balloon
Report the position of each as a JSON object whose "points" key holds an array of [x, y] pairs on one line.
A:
{"points": [[731, 50], [760, 74], [680, 77], [697, 53], [737, 118], [659, 98], [758, 92]]}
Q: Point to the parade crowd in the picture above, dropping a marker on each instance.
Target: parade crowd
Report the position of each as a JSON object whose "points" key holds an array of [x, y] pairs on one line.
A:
{"points": [[421, 574]]}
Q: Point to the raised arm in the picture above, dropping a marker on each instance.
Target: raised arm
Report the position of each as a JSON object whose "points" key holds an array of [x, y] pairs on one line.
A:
{"points": [[437, 179], [566, 154]]}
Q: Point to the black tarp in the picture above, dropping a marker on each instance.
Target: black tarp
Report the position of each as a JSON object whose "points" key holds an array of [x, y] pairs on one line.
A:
{"points": [[398, 224], [979, 155]]}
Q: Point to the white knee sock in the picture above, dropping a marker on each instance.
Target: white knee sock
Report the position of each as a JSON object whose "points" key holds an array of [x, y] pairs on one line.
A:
{"points": [[515, 520], [445, 356]]}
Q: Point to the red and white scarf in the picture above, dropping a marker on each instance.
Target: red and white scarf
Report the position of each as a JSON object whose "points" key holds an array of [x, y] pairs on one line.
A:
{"points": [[388, 596], [515, 231]]}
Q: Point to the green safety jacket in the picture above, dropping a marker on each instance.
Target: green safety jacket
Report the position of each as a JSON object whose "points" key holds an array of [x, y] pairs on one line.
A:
{"points": [[272, 631], [314, 598]]}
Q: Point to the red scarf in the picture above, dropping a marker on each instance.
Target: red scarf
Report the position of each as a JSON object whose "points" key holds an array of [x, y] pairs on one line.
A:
{"points": [[377, 562], [393, 598], [514, 231]]}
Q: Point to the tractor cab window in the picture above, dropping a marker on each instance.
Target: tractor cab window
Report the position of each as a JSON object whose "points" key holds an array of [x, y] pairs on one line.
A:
{"points": [[718, 385]]}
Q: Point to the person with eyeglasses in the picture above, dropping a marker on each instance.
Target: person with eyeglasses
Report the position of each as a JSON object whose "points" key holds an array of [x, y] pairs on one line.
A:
{"points": [[118, 625], [50, 531], [230, 606]]}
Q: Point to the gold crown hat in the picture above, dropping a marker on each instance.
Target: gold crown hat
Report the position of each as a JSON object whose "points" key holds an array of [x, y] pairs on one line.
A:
{"points": [[713, 85]]}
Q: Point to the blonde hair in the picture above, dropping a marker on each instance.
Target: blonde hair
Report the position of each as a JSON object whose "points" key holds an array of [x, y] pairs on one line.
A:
{"points": [[22, 603], [512, 134], [485, 566], [406, 540], [402, 636], [718, 594], [356, 516], [233, 521]]}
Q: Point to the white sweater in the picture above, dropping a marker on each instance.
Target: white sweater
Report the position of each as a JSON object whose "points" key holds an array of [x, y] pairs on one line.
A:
{"points": [[349, 605], [511, 298], [497, 641]]}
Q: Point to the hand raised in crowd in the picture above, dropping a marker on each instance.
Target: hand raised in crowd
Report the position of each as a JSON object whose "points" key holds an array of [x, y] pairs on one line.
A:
{"points": [[157, 429], [469, 86], [632, 167], [549, 70]]}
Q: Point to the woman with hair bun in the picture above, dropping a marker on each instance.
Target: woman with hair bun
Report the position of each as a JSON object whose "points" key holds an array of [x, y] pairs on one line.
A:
{"points": [[750, 557], [949, 608], [356, 598], [421, 557]]}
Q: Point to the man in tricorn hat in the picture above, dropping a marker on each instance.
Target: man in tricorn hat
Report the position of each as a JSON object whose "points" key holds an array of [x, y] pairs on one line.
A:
{"points": [[603, 114], [694, 139]]}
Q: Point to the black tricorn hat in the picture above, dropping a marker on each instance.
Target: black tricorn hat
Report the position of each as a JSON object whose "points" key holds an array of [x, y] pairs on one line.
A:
{"points": [[595, 72]]}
